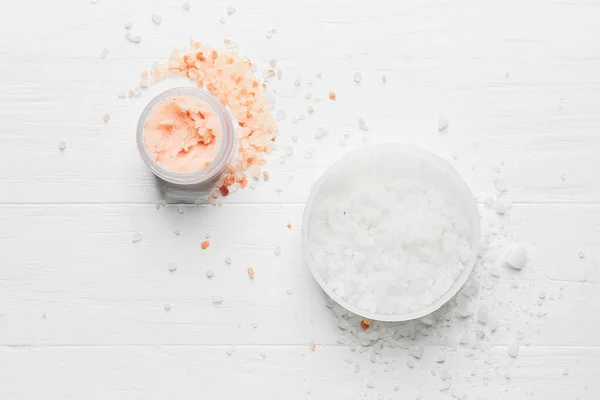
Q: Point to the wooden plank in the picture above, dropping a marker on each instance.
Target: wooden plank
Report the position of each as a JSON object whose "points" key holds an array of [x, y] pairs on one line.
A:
{"points": [[77, 265], [208, 373]]}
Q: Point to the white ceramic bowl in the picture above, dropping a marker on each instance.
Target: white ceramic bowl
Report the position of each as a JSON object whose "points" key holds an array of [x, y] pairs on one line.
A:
{"points": [[435, 170]]}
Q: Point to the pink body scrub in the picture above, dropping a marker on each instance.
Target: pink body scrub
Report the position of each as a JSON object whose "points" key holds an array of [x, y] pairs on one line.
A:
{"points": [[183, 134]]}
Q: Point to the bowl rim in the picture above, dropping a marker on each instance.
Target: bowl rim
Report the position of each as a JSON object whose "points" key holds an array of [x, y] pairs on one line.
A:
{"points": [[473, 217]]}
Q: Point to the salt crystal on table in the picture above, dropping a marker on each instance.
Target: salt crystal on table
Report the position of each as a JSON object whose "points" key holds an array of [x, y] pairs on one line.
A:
{"points": [[128, 25], [231, 350], [410, 362], [310, 109], [440, 358], [294, 120], [357, 77], [216, 299], [317, 99], [172, 266], [104, 53], [186, 5], [362, 124], [482, 314], [210, 273], [94, 1], [513, 350], [177, 232], [289, 291], [106, 117], [230, 10], [167, 307], [222, 20], [445, 375], [489, 201], [308, 95], [122, 95], [62, 145], [277, 250], [445, 386], [500, 184], [180, 209], [370, 384], [565, 371], [228, 260], [280, 115], [442, 123], [580, 253], [417, 352], [500, 207], [356, 368], [294, 137], [495, 271], [515, 257], [542, 294], [157, 19], [464, 339], [136, 237]]}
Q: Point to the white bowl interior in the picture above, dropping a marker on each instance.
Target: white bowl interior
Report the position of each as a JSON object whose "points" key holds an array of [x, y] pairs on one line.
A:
{"points": [[427, 166]]}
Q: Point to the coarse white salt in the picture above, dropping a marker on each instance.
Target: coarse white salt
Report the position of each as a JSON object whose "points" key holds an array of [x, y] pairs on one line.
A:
{"points": [[357, 77], [210, 273], [168, 307], [385, 237], [122, 94], [500, 207], [307, 95], [216, 299], [177, 232], [442, 123], [362, 124], [565, 371], [440, 358], [445, 374], [157, 19], [482, 314], [410, 362], [277, 250], [104, 53], [106, 117], [310, 109], [172, 266], [513, 349], [230, 10], [370, 384], [186, 5], [62, 145], [228, 260], [500, 184], [495, 271], [136, 237], [515, 256], [580, 253], [280, 115], [128, 25], [94, 1]]}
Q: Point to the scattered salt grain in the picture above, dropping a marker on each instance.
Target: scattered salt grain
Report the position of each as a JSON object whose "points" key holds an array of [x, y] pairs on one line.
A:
{"points": [[565, 371], [228, 260], [172, 266], [312, 347], [580, 253], [128, 25], [294, 120], [277, 250], [482, 314], [177, 232], [417, 352], [356, 368], [210, 273], [357, 77], [294, 137], [289, 291], [231, 350], [222, 20], [515, 257], [442, 123], [157, 19], [370, 384], [297, 82], [136, 237], [167, 307], [310, 109], [440, 358], [464, 339], [280, 115], [445, 374], [62, 145], [495, 271], [122, 94], [307, 95], [106, 117], [383, 78], [216, 299], [186, 5], [410, 362], [317, 99], [513, 349], [251, 272], [94, 1], [500, 184], [104, 53], [500, 207], [263, 354], [362, 124], [543, 293], [230, 10], [131, 38]]}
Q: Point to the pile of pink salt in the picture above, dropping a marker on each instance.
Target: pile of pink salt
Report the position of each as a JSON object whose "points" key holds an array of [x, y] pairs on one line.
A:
{"points": [[230, 78], [183, 134]]}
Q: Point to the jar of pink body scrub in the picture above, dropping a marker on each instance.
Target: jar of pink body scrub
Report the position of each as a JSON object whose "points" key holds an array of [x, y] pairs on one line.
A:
{"points": [[186, 137]]}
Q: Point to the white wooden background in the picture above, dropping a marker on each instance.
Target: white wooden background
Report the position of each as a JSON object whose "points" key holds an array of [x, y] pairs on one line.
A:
{"points": [[82, 308]]}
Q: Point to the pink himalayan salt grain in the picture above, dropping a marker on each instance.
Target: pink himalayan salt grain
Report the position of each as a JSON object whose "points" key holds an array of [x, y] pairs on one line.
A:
{"points": [[231, 79]]}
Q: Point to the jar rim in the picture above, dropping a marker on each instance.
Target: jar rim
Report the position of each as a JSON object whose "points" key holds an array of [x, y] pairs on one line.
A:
{"points": [[216, 166]]}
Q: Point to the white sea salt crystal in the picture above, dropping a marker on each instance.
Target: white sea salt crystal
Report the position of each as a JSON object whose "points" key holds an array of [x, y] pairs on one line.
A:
{"points": [[489, 201], [410, 362], [464, 339], [515, 257], [186, 5], [565, 371], [500, 207], [177, 232], [580, 253], [104, 53], [500, 184], [482, 314], [167, 307], [440, 358], [417, 352], [310, 109], [210, 273], [216, 299], [128, 25], [280, 115], [370, 384], [294, 137], [222, 20], [495, 271], [294, 121], [543, 293], [357, 77], [230, 10], [277, 250], [231, 350], [445, 386], [122, 94], [317, 99], [157, 19], [356, 368], [308, 95], [172, 266], [362, 124], [289, 291], [442, 123], [297, 82], [94, 1], [228, 260], [62, 145], [136, 237], [301, 117], [445, 374], [513, 349]]}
